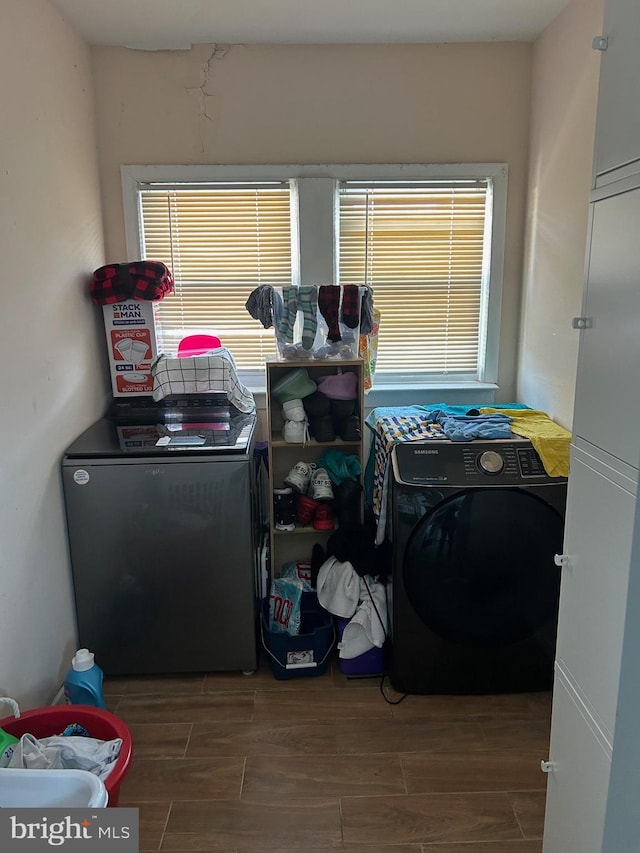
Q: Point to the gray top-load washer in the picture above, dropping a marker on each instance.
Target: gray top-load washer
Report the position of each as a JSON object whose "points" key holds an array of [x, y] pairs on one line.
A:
{"points": [[162, 525]]}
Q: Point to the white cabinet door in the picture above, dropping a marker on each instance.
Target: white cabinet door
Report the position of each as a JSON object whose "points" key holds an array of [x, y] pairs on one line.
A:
{"points": [[618, 121], [607, 403], [598, 533], [577, 784]]}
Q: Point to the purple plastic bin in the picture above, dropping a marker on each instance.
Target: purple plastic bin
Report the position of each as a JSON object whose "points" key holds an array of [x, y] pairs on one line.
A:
{"points": [[369, 663]]}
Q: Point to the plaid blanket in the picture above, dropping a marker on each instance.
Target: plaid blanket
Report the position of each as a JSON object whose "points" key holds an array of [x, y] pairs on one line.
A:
{"points": [[144, 280]]}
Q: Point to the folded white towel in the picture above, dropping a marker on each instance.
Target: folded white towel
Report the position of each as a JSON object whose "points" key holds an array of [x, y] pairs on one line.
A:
{"points": [[338, 588], [59, 753], [368, 627]]}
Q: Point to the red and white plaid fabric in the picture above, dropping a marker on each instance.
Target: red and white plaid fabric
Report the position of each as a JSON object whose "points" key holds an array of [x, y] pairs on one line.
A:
{"points": [[145, 280]]}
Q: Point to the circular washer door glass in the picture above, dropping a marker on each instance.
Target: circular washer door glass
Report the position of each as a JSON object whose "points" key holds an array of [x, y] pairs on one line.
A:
{"points": [[479, 569]]}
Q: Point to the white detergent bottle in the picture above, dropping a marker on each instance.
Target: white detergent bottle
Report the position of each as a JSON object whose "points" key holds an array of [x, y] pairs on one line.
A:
{"points": [[83, 683]]}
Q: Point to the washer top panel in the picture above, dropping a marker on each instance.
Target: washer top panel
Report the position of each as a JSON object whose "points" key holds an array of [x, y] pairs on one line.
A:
{"points": [[471, 463]]}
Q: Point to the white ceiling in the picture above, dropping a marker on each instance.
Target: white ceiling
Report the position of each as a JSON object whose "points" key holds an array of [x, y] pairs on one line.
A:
{"points": [[177, 24]]}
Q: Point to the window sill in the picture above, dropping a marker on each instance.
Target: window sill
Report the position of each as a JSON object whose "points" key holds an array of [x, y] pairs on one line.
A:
{"points": [[418, 394]]}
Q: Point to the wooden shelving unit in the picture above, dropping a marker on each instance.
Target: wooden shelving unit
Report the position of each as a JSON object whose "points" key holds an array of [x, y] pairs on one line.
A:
{"points": [[287, 546]]}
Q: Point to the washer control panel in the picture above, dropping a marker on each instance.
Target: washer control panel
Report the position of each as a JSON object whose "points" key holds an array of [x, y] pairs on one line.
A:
{"points": [[474, 463]]}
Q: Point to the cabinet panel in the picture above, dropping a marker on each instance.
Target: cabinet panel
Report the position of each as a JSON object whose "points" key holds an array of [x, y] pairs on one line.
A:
{"points": [[622, 824], [607, 402], [577, 785], [598, 531], [618, 117], [160, 585]]}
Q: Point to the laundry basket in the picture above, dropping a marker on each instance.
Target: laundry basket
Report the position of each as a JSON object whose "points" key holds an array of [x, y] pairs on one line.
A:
{"points": [[103, 725], [303, 654]]}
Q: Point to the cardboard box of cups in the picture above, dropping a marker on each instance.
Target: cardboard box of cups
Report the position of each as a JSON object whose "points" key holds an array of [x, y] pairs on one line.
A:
{"points": [[131, 343]]}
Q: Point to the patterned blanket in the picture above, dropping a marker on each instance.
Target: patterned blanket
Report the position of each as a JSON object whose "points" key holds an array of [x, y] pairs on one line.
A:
{"points": [[390, 430]]}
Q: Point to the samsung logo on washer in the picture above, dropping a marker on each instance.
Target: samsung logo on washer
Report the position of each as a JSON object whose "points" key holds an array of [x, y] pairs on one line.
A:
{"points": [[425, 452], [83, 830]]}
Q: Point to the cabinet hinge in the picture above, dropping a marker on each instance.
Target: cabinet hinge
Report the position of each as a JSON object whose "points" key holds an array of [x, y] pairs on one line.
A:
{"points": [[600, 43], [548, 766], [582, 323]]}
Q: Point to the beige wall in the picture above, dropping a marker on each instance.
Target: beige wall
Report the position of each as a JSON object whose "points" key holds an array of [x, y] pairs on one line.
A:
{"points": [[432, 103], [53, 382], [565, 87], [315, 104]]}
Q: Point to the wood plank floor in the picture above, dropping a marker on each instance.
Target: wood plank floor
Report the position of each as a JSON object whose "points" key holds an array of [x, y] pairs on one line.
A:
{"points": [[248, 764]]}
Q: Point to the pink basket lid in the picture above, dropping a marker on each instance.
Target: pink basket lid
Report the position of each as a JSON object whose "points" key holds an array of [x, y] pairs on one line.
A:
{"points": [[197, 344]]}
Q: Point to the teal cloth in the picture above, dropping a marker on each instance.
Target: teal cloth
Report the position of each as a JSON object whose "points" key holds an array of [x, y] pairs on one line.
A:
{"points": [[405, 411], [340, 466]]}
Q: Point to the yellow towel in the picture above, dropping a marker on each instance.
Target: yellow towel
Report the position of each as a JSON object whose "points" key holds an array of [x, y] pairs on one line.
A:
{"points": [[549, 438]]}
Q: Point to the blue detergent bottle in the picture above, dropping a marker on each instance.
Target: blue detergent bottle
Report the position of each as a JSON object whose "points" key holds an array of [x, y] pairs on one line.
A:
{"points": [[83, 683]]}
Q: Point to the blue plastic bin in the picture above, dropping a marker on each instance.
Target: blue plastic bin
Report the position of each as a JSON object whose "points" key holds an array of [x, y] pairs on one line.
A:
{"points": [[305, 654]]}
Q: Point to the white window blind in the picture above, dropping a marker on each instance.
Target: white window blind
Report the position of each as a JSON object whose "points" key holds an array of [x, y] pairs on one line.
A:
{"points": [[424, 248], [221, 241]]}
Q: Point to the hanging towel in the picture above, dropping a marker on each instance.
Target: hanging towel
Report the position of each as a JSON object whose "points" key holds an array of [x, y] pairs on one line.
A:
{"points": [[368, 317], [550, 440], [368, 350]]}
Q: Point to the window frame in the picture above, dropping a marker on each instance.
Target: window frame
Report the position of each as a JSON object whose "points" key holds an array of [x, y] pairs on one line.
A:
{"points": [[316, 236]]}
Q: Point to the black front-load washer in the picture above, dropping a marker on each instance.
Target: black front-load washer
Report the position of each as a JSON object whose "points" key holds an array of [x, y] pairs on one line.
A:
{"points": [[475, 528]]}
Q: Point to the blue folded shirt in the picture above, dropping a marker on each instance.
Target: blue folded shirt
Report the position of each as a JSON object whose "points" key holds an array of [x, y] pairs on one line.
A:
{"points": [[468, 427]]}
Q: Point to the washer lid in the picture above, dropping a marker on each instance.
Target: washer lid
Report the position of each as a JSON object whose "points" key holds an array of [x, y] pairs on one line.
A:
{"points": [[106, 438], [469, 463]]}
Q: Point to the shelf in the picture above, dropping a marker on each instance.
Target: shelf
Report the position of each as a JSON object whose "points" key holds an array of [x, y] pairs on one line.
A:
{"points": [[297, 544], [315, 364], [308, 528], [337, 442]]}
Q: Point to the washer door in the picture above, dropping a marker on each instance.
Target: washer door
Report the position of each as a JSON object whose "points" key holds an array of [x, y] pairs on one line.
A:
{"points": [[479, 570]]}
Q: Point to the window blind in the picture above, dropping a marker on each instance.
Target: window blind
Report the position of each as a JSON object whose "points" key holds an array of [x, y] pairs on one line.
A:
{"points": [[423, 248], [221, 241]]}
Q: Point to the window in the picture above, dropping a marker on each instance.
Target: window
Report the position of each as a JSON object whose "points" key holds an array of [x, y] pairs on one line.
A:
{"points": [[421, 246], [428, 239], [221, 240]]}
